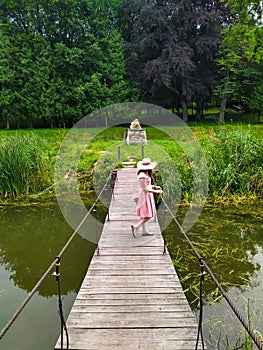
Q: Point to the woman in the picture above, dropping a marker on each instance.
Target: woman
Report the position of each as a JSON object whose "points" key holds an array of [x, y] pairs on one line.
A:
{"points": [[145, 205]]}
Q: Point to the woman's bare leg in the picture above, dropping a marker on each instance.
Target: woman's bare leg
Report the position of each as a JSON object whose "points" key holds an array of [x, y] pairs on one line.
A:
{"points": [[141, 223]]}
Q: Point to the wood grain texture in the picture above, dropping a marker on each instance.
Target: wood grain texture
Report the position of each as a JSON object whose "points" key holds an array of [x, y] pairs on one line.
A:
{"points": [[131, 297]]}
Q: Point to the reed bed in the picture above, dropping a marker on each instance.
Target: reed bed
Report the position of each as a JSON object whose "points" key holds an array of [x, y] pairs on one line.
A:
{"points": [[235, 159], [233, 155], [23, 168]]}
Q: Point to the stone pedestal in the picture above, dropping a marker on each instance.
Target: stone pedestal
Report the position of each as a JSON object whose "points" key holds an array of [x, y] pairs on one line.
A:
{"points": [[136, 136]]}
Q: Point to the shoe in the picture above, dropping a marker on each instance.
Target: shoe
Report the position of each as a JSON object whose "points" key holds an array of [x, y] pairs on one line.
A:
{"points": [[147, 234], [133, 229]]}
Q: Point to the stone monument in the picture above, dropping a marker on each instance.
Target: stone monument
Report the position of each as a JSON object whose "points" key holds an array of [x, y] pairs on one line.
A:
{"points": [[135, 134]]}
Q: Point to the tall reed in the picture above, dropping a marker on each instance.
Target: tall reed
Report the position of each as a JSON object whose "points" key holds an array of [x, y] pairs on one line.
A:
{"points": [[23, 167], [235, 158]]}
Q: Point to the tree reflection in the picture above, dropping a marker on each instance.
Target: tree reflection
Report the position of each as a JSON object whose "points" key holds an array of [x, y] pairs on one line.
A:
{"points": [[227, 238], [31, 238]]}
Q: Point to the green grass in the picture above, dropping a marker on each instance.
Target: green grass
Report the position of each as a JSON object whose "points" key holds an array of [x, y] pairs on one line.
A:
{"points": [[233, 154], [23, 167]]}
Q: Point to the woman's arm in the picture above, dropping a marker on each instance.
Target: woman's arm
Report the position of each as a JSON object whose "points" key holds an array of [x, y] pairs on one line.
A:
{"points": [[152, 189]]}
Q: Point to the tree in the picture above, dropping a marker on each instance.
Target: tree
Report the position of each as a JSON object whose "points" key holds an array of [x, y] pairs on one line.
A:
{"points": [[171, 47], [6, 76], [255, 100], [65, 60], [241, 50]]}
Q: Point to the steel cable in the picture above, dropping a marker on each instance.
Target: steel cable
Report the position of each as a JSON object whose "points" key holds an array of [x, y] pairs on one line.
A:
{"points": [[249, 330], [48, 271], [63, 325], [200, 323]]}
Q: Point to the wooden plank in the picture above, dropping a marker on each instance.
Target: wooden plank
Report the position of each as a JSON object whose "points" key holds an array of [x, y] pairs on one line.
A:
{"points": [[131, 297], [131, 320], [127, 308], [135, 261], [128, 282], [106, 339], [108, 258], [122, 242], [155, 334], [165, 301], [132, 250], [132, 264], [124, 290], [125, 270]]}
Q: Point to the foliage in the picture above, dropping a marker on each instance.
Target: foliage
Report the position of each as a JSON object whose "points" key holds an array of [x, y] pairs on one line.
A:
{"points": [[233, 156], [255, 102], [235, 162], [171, 47], [23, 168], [59, 61], [240, 56]]}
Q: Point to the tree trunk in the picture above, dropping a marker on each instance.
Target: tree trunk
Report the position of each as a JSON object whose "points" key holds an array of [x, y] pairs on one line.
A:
{"points": [[184, 111], [223, 109], [199, 107], [184, 104], [7, 124]]}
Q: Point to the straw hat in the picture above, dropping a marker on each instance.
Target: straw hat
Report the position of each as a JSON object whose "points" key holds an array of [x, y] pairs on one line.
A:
{"points": [[146, 164]]}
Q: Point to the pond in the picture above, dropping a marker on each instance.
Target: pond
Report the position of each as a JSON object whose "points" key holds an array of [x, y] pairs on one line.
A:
{"points": [[31, 237], [230, 240]]}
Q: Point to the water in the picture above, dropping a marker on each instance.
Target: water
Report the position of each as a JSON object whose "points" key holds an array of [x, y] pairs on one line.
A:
{"points": [[30, 239], [229, 238]]}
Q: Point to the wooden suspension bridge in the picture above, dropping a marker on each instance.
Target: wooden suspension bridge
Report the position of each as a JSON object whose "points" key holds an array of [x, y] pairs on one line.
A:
{"points": [[131, 297]]}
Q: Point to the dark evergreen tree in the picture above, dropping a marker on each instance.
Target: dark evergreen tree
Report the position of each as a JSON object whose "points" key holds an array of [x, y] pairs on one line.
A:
{"points": [[171, 46], [60, 60]]}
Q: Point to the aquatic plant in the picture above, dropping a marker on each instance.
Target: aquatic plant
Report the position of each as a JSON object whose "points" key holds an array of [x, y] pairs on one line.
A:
{"points": [[235, 158], [223, 236], [23, 167], [233, 154], [225, 331]]}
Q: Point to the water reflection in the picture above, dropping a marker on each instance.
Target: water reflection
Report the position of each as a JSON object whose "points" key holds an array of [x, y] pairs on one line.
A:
{"points": [[227, 238], [230, 239], [231, 242], [31, 238]]}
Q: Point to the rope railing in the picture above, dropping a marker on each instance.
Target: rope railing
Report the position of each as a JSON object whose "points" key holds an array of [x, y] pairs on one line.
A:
{"points": [[52, 265], [203, 265], [63, 326]]}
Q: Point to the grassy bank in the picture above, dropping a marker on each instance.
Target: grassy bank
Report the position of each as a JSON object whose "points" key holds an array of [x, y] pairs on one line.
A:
{"points": [[233, 156]]}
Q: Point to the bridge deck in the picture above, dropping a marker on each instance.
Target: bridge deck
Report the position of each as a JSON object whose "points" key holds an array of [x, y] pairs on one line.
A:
{"points": [[131, 297]]}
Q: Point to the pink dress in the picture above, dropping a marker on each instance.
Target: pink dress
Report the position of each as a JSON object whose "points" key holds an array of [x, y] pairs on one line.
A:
{"points": [[145, 206]]}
